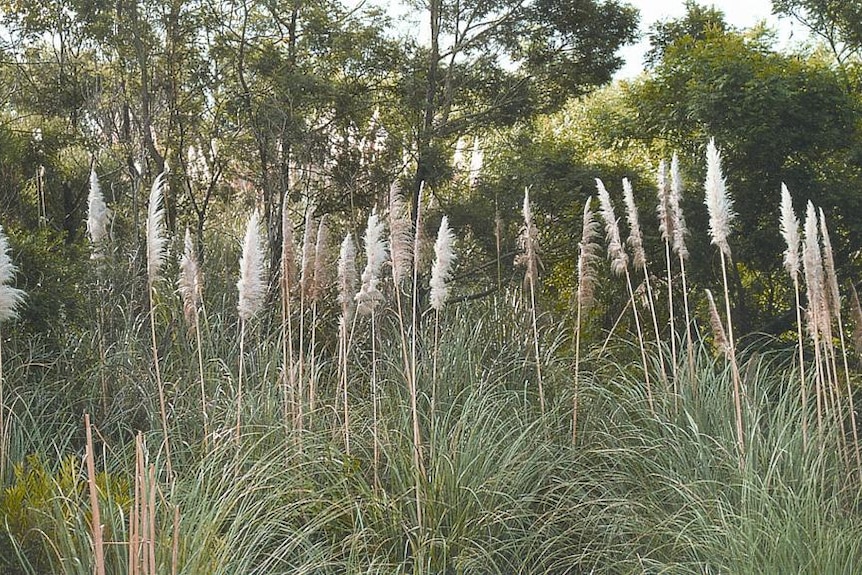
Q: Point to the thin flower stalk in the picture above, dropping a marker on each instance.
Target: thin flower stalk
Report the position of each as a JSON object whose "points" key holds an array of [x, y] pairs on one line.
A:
{"points": [[288, 283], [319, 285], [529, 243], [813, 269], [835, 302], [306, 280], [665, 225], [156, 242], [190, 284], [789, 225], [720, 207], [588, 258], [680, 231], [11, 299], [347, 286], [619, 266], [252, 290]]}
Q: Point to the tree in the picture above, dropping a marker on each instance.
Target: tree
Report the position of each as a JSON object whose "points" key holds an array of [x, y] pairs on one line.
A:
{"points": [[837, 22]]}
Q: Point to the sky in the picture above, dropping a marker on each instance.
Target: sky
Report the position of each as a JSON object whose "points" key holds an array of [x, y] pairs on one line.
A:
{"points": [[738, 13]]}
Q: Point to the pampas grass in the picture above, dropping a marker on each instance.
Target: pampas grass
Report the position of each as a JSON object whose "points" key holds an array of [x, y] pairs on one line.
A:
{"points": [[719, 336], [98, 216], [441, 271], [347, 286], [680, 231], [812, 266], [190, 285], [10, 300], [252, 290], [156, 242], [789, 226], [320, 283], [588, 257], [288, 282], [619, 266], [720, 207], [529, 257]]}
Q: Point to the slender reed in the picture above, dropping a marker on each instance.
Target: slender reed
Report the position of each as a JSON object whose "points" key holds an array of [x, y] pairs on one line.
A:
{"points": [[347, 286], [665, 226], [320, 282], [619, 266], [96, 515], [635, 241], [10, 299], [190, 284], [588, 257], [288, 281], [680, 231], [98, 219], [252, 290], [835, 306], [155, 260], [529, 257], [367, 299], [789, 225], [306, 279], [813, 269], [441, 272], [720, 207]]}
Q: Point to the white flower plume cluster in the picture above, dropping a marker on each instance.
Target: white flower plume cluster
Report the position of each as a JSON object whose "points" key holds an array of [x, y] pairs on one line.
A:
{"points": [[10, 297], [718, 202], [251, 284], [441, 270], [375, 255], [617, 255], [98, 216]]}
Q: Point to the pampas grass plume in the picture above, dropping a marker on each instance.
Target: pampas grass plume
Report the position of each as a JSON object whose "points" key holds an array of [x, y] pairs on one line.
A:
{"points": [[812, 264], [309, 236], [635, 236], [251, 285], [400, 236], [718, 332], [155, 230], [347, 279], [441, 270], [831, 278], [98, 215], [616, 253], [321, 256], [677, 217], [789, 225], [10, 297], [288, 248], [529, 242], [718, 202], [588, 255], [665, 223], [375, 256], [190, 284]]}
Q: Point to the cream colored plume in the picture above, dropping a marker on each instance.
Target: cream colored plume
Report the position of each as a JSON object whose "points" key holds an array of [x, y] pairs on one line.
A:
{"points": [[98, 216], [789, 225], [616, 253], [10, 298], [677, 217], [288, 248], [663, 210], [190, 283], [529, 242], [635, 240], [321, 257], [251, 284], [588, 257], [155, 230], [306, 269], [718, 202], [831, 278], [718, 333], [347, 280], [375, 256], [400, 237], [441, 270], [812, 264]]}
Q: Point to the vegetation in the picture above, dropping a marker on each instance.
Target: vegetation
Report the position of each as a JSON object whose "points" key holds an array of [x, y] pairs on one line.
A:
{"points": [[191, 383]]}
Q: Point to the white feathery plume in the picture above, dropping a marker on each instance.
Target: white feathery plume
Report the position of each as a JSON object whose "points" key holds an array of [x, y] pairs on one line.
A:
{"points": [[375, 256], [718, 333], [321, 249], [10, 297], [588, 255], [663, 209], [528, 241], [477, 158], [189, 283], [98, 215], [790, 231], [441, 270], [635, 240], [677, 218], [617, 255], [812, 264], [831, 278], [155, 230], [288, 248], [306, 271], [718, 202], [251, 284], [400, 236], [347, 277]]}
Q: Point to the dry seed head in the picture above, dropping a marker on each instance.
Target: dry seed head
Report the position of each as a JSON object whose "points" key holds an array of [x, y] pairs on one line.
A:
{"points": [[98, 216], [813, 267], [321, 256], [831, 279], [309, 236], [288, 249], [347, 280], [718, 333], [665, 223], [251, 285], [528, 241], [10, 297], [401, 236], [189, 283], [155, 230], [616, 253], [588, 257], [856, 311], [441, 270], [718, 202], [790, 231], [677, 217], [375, 256], [635, 236]]}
